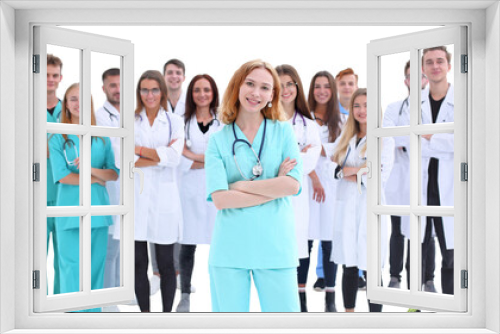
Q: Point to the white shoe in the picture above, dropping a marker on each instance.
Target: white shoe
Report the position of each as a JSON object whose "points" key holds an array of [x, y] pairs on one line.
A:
{"points": [[154, 284]]}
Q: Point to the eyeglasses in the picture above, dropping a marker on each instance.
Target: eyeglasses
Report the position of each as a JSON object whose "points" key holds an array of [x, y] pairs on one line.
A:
{"points": [[154, 91], [407, 77], [288, 85]]}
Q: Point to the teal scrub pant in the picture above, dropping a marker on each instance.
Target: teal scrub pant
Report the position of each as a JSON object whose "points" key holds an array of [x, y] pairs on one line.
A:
{"points": [[51, 228], [69, 259], [277, 289]]}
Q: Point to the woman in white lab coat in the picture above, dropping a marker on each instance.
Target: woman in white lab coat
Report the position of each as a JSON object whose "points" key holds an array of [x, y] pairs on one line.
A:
{"points": [[324, 106], [202, 101], [159, 140], [297, 112], [349, 236]]}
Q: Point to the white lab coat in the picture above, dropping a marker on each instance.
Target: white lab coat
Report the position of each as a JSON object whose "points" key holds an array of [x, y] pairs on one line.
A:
{"points": [[350, 230], [441, 147], [198, 213], [158, 212], [108, 116], [180, 107], [397, 188], [306, 131]]}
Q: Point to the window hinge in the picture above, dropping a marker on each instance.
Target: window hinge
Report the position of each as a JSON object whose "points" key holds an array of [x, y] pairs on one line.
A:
{"points": [[464, 167], [36, 279], [36, 63], [465, 279], [36, 172], [465, 64]]}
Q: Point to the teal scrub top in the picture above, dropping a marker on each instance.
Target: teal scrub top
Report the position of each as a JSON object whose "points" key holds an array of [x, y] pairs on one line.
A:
{"points": [[51, 186], [262, 236], [69, 195]]}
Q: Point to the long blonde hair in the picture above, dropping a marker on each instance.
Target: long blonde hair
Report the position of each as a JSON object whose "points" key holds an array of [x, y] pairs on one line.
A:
{"points": [[350, 129], [231, 103]]}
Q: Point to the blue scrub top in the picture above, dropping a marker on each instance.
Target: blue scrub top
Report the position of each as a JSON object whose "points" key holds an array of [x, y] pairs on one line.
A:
{"points": [[51, 186], [343, 110], [69, 195], [263, 236]]}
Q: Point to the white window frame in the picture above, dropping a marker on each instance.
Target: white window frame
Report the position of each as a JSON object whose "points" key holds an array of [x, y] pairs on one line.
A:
{"points": [[484, 103], [85, 43], [414, 44]]}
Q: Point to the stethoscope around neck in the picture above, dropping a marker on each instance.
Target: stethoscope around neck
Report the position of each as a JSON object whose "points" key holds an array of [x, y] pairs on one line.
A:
{"points": [[189, 143], [304, 137], [257, 170]]}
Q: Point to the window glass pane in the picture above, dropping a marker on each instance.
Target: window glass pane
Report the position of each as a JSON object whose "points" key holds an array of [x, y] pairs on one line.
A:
{"points": [[395, 89], [395, 179], [105, 252], [105, 88], [63, 170], [105, 170], [438, 98], [63, 78], [63, 260]]}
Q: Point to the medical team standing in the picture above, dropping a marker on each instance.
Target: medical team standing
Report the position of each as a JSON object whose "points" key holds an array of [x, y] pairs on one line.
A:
{"points": [[257, 178]]}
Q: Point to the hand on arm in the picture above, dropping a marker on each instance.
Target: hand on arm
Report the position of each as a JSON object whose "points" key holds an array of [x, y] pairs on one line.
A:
{"points": [[232, 199], [74, 179], [318, 190], [198, 165], [104, 174], [147, 153], [193, 156]]}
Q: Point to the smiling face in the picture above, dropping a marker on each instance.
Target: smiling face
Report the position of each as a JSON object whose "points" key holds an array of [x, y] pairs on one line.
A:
{"points": [[359, 109], [256, 91], [202, 93], [435, 66], [322, 90], [54, 77], [73, 103], [174, 77], [346, 86], [150, 94], [111, 88], [288, 89]]}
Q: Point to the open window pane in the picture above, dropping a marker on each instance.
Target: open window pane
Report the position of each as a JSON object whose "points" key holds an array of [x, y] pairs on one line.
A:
{"points": [[105, 88], [395, 181], [105, 181]]}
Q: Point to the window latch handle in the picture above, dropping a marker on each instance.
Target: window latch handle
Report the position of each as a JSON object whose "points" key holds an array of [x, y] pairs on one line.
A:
{"points": [[133, 170]]}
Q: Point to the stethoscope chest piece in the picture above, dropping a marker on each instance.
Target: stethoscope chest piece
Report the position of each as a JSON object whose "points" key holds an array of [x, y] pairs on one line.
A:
{"points": [[257, 169], [188, 143]]}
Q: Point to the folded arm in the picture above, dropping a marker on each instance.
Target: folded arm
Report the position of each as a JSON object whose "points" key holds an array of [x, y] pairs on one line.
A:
{"points": [[233, 199]]}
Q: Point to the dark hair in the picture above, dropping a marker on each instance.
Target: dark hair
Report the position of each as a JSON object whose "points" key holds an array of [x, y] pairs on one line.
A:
{"points": [[347, 71], [437, 48], [175, 62], [191, 106], [156, 76], [54, 61], [300, 101], [332, 120], [407, 66], [110, 73]]}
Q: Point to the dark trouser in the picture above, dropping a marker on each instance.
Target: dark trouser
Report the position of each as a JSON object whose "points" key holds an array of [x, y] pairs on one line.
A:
{"points": [[396, 248], [329, 267], [165, 260], [186, 262], [350, 289], [428, 261]]}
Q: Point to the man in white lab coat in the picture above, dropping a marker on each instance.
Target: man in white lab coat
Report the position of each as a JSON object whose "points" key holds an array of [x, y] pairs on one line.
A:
{"points": [[438, 158], [174, 72]]}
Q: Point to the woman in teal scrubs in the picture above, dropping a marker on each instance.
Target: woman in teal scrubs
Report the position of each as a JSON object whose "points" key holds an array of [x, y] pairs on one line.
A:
{"points": [[253, 166], [64, 158]]}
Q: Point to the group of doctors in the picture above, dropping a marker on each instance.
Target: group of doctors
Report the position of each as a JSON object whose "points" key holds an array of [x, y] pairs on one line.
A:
{"points": [[240, 156]]}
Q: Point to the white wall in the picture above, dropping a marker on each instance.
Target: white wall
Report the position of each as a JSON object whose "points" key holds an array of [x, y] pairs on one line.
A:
{"points": [[7, 173]]}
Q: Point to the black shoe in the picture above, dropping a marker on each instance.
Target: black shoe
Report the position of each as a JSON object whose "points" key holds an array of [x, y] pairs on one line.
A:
{"points": [[319, 285], [330, 302], [303, 302], [361, 283]]}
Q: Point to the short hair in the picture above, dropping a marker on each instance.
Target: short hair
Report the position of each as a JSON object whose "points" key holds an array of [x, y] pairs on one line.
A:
{"points": [[231, 103], [438, 48], [110, 73], [54, 61], [191, 106], [347, 71], [156, 76], [175, 62], [300, 101], [407, 66]]}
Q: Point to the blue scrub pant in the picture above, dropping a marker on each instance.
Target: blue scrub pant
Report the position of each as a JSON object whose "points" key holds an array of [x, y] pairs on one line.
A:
{"points": [[69, 259], [52, 229], [319, 265], [277, 289], [112, 267]]}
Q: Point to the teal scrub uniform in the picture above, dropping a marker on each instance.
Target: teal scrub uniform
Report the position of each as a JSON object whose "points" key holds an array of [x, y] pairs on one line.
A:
{"points": [[67, 228], [51, 201], [259, 240]]}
